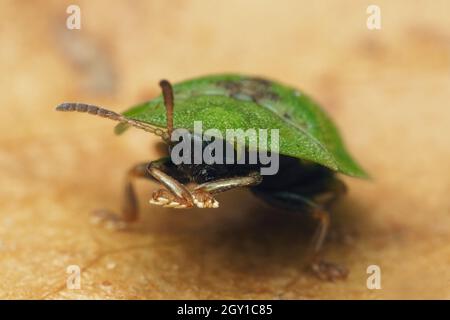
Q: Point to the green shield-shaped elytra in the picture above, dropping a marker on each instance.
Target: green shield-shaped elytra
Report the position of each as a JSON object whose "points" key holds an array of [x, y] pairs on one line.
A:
{"points": [[240, 102]]}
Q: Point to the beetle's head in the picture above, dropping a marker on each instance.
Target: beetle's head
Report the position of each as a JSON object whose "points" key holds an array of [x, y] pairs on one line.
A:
{"points": [[165, 134]]}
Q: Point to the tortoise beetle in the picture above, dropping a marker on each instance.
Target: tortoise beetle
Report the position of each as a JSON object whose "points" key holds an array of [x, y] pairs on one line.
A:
{"points": [[311, 151]]}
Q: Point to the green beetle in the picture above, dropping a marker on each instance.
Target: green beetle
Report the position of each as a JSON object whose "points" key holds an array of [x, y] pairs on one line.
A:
{"points": [[310, 149]]}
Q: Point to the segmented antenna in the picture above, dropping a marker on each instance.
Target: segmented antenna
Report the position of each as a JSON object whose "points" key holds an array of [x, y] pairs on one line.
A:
{"points": [[98, 111], [167, 92]]}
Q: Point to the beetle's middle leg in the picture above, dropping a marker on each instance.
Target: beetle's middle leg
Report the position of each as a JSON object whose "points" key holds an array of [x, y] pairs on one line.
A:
{"points": [[323, 269], [129, 211], [318, 206]]}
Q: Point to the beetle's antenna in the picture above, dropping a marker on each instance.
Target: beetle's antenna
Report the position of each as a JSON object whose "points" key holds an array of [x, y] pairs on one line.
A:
{"points": [[167, 92], [98, 111]]}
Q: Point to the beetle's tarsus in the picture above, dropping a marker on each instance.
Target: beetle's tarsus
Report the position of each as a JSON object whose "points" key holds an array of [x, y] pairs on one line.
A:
{"points": [[167, 199], [109, 219], [203, 199], [328, 271], [200, 199]]}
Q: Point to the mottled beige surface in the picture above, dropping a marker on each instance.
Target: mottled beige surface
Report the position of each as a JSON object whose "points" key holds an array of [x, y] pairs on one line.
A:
{"points": [[388, 90]]}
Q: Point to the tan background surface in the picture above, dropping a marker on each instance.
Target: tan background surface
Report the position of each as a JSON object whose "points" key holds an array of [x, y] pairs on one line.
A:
{"points": [[388, 90]]}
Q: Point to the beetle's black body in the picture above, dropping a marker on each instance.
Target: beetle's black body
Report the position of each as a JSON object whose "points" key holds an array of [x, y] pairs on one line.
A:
{"points": [[203, 173], [295, 186]]}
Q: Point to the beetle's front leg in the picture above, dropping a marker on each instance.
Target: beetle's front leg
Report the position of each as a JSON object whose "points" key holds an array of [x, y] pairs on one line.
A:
{"points": [[176, 196], [202, 194]]}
